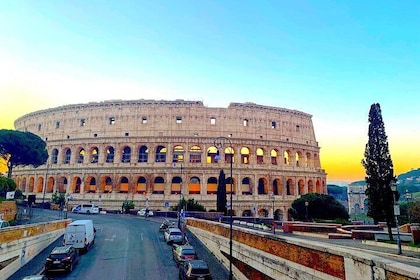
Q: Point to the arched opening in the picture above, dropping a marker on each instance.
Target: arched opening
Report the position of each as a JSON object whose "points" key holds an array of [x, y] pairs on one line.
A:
{"points": [[67, 156], [158, 185], [176, 185], [178, 154], [94, 155], [212, 154], [160, 154], [195, 154], [54, 156], [194, 185], [126, 155], [245, 155], [212, 185], [262, 186], [143, 154], [81, 155], [141, 185], [274, 156], [123, 187], [110, 152], [246, 186], [260, 156]]}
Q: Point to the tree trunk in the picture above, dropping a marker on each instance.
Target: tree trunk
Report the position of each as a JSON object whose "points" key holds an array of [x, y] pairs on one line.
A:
{"points": [[389, 225]]}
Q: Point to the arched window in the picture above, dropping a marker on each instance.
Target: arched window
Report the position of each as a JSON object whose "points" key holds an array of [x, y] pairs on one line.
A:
{"points": [[178, 154], [160, 154], [81, 157], [274, 155], [54, 156], [67, 156], [143, 154], [260, 156], [195, 154], [245, 155], [126, 156], [212, 154], [110, 154], [94, 155]]}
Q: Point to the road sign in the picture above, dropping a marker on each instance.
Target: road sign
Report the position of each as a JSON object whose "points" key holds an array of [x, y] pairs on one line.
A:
{"points": [[166, 204]]}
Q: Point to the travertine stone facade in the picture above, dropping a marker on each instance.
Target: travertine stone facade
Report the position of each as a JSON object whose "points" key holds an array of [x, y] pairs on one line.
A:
{"points": [[147, 150]]}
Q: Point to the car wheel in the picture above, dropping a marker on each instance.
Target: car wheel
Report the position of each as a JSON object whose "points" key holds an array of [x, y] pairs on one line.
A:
{"points": [[88, 212]]}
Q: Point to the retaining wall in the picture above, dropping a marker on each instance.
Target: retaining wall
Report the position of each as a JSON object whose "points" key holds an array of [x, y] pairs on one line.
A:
{"points": [[259, 255], [20, 244]]}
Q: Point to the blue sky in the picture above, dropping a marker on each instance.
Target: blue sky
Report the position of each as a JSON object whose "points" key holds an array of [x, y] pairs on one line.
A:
{"points": [[331, 59]]}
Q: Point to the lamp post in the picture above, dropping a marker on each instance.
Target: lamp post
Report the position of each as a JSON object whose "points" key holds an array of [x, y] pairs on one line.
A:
{"points": [[396, 213], [219, 142], [180, 198], [274, 224], [407, 197], [306, 212], [45, 186]]}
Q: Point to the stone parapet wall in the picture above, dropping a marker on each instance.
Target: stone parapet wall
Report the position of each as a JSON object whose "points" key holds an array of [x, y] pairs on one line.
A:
{"points": [[282, 257]]}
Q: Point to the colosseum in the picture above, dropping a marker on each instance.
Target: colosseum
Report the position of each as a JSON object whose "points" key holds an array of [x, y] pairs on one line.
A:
{"points": [[153, 152]]}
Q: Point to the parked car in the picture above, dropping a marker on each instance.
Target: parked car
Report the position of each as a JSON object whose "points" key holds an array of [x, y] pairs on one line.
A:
{"points": [[182, 253], [4, 224], [165, 225], [35, 277], [86, 209], [62, 258], [145, 212], [194, 269], [174, 235]]}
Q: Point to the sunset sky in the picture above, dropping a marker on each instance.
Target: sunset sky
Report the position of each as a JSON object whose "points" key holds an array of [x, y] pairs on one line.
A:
{"points": [[331, 59]]}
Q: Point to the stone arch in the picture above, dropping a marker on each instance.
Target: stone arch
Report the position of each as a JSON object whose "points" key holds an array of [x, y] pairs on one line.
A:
{"points": [[62, 184], [212, 155], [195, 154], [158, 185], [260, 155], [245, 155], [143, 154], [194, 185], [212, 185], [110, 154], [277, 190], [123, 185], [40, 185], [90, 186], [262, 212], [262, 186], [298, 158], [310, 186], [141, 186], [278, 215], [318, 187], [286, 157], [31, 184], [230, 182], [176, 185], [126, 155], [81, 153], [308, 160], [94, 154], [178, 154], [160, 155], [54, 156], [290, 190], [247, 213], [107, 185], [246, 186], [274, 154], [67, 156], [50, 184], [301, 187], [76, 185]]}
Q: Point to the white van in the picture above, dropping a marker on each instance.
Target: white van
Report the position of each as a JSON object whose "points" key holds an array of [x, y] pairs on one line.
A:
{"points": [[80, 234], [86, 209]]}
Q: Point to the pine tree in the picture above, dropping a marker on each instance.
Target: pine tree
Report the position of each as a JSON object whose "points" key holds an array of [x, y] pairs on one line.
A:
{"points": [[221, 193], [379, 171]]}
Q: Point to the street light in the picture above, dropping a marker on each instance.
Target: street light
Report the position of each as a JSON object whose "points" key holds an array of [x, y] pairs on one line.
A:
{"points": [[407, 197], [45, 186], [219, 142], [306, 213], [274, 224], [180, 197], [396, 213]]}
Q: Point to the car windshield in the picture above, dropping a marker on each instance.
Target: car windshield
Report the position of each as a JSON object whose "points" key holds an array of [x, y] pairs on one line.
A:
{"points": [[176, 233]]}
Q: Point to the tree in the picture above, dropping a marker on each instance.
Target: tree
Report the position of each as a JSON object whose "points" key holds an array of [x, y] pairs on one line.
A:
{"points": [[21, 148], [379, 171], [221, 193], [414, 212], [320, 206], [189, 205]]}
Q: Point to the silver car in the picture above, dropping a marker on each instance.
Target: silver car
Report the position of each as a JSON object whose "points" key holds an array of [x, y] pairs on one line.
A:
{"points": [[174, 235]]}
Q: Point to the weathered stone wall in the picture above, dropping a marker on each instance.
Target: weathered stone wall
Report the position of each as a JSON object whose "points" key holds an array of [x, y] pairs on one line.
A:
{"points": [[8, 210], [275, 153]]}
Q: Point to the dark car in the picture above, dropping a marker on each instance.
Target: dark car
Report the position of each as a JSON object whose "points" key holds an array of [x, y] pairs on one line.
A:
{"points": [[62, 258], [182, 253], [194, 269]]}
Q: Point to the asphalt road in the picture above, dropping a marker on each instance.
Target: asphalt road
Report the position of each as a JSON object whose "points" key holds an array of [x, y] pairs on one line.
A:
{"points": [[126, 247]]}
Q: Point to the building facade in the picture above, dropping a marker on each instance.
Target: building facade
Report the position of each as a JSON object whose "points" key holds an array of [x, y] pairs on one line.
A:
{"points": [[155, 152]]}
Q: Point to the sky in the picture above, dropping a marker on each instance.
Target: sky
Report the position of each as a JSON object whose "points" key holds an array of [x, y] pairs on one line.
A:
{"points": [[330, 59]]}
